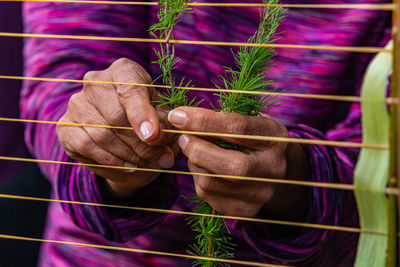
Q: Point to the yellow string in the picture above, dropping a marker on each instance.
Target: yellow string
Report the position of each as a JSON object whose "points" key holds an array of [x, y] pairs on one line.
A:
{"points": [[354, 49], [222, 176], [177, 212], [238, 136], [387, 7], [390, 100], [339, 98], [152, 252]]}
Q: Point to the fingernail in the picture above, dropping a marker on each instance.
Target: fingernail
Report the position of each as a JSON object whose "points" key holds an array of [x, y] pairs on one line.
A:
{"points": [[183, 141], [166, 161], [177, 117], [129, 165], [146, 130]]}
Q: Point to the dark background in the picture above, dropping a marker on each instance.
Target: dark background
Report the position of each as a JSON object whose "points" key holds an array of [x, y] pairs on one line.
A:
{"points": [[17, 217]]}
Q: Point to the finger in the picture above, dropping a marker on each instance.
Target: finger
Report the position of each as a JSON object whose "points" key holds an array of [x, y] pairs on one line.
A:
{"points": [[136, 100], [229, 206], [204, 120], [120, 182], [156, 156], [244, 190], [214, 158], [163, 138], [77, 142], [103, 137], [107, 101]]}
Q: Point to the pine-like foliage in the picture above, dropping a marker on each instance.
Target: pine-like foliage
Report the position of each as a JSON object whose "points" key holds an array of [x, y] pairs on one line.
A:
{"points": [[212, 234], [251, 64], [213, 238], [168, 17]]}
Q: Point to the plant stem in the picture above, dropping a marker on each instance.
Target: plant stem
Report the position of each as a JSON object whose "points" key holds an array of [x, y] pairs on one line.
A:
{"points": [[210, 241], [213, 237]]}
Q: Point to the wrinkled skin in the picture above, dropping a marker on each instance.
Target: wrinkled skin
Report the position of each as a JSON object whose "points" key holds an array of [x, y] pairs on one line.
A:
{"points": [[147, 147]]}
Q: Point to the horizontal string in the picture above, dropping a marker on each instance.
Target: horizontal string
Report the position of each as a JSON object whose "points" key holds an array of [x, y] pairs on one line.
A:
{"points": [[389, 100], [354, 49], [350, 187], [143, 251], [226, 135], [186, 213], [387, 7]]}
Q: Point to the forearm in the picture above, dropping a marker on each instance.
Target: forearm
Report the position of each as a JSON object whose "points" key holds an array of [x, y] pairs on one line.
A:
{"points": [[71, 59]]}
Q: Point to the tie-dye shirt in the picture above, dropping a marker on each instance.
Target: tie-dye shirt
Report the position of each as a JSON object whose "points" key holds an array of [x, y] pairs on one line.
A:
{"points": [[295, 70]]}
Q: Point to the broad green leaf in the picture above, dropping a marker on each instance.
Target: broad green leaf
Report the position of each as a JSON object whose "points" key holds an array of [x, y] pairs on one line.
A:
{"points": [[372, 170]]}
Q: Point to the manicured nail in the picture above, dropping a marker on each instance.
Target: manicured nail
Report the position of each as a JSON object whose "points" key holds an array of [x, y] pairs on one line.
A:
{"points": [[166, 161], [146, 130], [183, 141], [129, 165], [177, 117]]}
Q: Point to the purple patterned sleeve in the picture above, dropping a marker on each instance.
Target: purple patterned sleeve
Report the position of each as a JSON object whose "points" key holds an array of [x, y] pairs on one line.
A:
{"points": [[71, 59], [327, 206]]}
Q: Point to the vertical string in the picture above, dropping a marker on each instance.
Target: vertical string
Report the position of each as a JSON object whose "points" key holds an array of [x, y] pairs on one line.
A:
{"points": [[392, 258]]}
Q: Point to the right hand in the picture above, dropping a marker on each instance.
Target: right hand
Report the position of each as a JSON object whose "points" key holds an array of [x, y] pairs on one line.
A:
{"points": [[118, 105]]}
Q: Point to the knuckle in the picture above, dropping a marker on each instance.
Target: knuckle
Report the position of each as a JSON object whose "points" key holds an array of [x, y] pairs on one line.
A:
{"points": [[126, 65], [130, 72], [118, 118], [147, 152], [61, 135], [206, 183], [201, 193], [83, 145], [60, 128], [236, 124], [126, 91], [123, 61], [277, 168], [193, 151], [132, 156], [74, 101], [91, 75], [262, 193], [147, 78], [281, 130], [266, 193], [241, 167], [203, 120], [280, 172], [104, 136], [67, 147]]}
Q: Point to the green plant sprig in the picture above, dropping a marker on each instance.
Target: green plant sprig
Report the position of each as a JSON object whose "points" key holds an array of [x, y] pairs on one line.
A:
{"points": [[212, 234], [251, 64], [213, 238], [168, 17]]}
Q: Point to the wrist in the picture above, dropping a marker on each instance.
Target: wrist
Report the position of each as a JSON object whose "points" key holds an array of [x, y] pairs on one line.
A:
{"points": [[120, 190], [130, 186]]}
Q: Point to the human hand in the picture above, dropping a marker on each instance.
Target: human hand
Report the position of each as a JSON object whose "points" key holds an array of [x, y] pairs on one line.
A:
{"points": [[118, 105], [256, 158]]}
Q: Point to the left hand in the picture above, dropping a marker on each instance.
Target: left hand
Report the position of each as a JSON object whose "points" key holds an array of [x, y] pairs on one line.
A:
{"points": [[257, 158]]}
